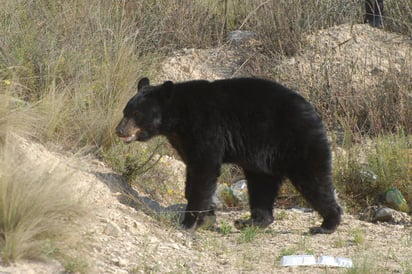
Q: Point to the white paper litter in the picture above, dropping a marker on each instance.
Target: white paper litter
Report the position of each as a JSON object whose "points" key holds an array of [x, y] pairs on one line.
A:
{"points": [[295, 260], [305, 260], [332, 261]]}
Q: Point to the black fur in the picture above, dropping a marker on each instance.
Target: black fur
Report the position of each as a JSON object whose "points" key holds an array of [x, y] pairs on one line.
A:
{"points": [[268, 130]]}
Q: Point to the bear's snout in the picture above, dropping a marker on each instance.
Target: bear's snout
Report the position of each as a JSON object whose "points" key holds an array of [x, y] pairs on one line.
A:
{"points": [[127, 130], [120, 129]]}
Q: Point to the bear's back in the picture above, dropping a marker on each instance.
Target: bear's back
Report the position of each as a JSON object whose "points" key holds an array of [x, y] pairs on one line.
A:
{"points": [[240, 97], [247, 93]]}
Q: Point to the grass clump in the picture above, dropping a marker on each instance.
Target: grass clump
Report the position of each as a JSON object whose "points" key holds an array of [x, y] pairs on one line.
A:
{"points": [[363, 172], [225, 228], [76, 62], [35, 207], [287, 252], [248, 234], [132, 161], [358, 237]]}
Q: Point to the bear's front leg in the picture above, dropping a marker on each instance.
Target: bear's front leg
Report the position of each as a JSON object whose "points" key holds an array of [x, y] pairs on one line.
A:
{"points": [[200, 187]]}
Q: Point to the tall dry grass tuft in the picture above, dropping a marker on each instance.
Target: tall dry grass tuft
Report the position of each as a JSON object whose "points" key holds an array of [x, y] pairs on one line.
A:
{"points": [[384, 106], [397, 16], [281, 25], [37, 205], [77, 62], [16, 116]]}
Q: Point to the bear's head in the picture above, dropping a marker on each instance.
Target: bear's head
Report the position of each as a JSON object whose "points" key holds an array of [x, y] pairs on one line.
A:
{"points": [[142, 116]]}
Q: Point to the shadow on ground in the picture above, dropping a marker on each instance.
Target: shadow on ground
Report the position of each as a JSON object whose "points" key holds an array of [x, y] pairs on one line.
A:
{"points": [[130, 197]]}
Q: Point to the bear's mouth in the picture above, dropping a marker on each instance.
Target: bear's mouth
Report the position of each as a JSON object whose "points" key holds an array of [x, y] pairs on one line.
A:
{"points": [[129, 139]]}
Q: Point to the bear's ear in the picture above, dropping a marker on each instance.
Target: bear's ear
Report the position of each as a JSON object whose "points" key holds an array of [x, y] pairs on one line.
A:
{"points": [[167, 91], [168, 85], [142, 83]]}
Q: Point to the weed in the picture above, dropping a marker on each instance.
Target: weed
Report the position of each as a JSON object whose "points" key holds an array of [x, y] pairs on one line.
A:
{"points": [[72, 264], [272, 232], [225, 228], [132, 160], [406, 267], [230, 174], [303, 245], [358, 237], [76, 265], [339, 243], [248, 234], [408, 241], [287, 252], [281, 215], [365, 264], [228, 197]]}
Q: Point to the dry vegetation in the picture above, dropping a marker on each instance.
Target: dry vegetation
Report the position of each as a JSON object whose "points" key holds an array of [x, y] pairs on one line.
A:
{"points": [[68, 67], [38, 210]]}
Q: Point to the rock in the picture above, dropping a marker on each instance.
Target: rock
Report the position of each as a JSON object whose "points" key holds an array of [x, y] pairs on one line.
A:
{"points": [[240, 36], [112, 229], [120, 262], [390, 215], [384, 215]]}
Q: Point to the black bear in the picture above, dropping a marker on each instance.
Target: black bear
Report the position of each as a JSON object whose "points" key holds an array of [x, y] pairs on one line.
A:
{"points": [[268, 130]]}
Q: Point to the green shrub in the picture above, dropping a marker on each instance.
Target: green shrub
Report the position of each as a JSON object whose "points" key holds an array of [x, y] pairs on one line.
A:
{"points": [[248, 234], [363, 172]]}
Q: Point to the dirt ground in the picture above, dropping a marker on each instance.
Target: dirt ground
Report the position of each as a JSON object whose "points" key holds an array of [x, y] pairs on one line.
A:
{"points": [[123, 236]]}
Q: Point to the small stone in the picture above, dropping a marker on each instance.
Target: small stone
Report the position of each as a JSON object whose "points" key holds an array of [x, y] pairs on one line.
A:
{"points": [[378, 71], [112, 229], [120, 262], [384, 214]]}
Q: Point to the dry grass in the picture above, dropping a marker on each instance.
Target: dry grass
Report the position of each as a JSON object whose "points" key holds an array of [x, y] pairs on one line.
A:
{"points": [[16, 116], [37, 205], [78, 61]]}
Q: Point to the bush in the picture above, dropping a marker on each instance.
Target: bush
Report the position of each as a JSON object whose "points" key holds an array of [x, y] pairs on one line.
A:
{"points": [[363, 172], [132, 161]]}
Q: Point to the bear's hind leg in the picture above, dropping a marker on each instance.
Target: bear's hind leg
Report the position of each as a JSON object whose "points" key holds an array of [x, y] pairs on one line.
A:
{"points": [[319, 192], [263, 190]]}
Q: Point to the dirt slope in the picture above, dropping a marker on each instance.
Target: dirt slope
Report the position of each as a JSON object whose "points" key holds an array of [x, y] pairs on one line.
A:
{"points": [[122, 237]]}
